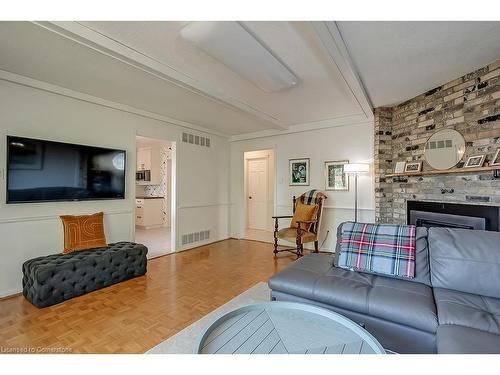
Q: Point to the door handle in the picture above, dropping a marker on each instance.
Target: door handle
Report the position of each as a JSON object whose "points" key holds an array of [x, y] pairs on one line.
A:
{"points": [[249, 197]]}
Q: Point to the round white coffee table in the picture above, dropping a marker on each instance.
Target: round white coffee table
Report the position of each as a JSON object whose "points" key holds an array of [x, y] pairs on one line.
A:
{"points": [[286, 327]]}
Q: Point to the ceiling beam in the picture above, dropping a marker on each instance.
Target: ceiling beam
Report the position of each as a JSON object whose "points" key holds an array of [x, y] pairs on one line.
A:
{"points": [[306, 127], [123, 53], [331, 38]]}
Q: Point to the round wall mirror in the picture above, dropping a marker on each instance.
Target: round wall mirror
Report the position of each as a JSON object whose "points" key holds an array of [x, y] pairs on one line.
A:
{"points": [[444, 149]]}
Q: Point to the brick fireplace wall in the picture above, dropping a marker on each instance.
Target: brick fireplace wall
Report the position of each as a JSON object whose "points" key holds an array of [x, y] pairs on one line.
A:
{"points": [[470, 105]]}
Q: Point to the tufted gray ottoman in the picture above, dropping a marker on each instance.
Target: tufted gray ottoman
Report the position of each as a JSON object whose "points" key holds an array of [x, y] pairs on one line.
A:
{"points": [[55, 278]]}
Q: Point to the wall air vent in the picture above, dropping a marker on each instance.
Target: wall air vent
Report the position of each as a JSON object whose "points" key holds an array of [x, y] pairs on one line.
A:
{"points": [[195, 237], [195, 140]]}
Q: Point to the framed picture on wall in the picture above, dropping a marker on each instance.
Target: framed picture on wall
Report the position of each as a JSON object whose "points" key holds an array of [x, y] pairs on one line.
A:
{"points": [[299, 172], [335, 177]]}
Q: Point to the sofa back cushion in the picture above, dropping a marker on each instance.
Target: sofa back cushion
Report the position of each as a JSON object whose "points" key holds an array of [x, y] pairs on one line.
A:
{"points": [[465, 260], [422, 268]]}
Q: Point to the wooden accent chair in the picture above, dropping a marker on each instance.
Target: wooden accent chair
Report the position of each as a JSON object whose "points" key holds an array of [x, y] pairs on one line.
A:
{"points": [[301, 231]]}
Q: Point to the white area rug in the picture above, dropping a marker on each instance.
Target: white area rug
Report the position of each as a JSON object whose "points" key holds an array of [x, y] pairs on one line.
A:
{"points": [[184, 341]]}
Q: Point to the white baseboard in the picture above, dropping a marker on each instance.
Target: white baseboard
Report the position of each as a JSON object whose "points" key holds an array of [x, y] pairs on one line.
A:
{"points": [[10, 293]]}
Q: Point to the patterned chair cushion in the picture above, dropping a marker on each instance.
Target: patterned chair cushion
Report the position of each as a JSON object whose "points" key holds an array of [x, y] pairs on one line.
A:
{"points": [[314, 197]]}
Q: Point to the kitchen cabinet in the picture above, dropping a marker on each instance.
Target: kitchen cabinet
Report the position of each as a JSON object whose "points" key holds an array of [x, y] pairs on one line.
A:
{"points": [[148, 212], [144, 158], [148, 159]]}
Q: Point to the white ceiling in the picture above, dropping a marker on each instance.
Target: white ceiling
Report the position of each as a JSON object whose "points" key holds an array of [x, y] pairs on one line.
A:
{"points": [[35, 52], [204, 92], [397, 61], [148, 66], [322, 93]]}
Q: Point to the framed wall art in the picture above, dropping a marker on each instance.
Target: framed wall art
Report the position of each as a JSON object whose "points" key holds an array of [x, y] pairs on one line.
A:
{"points": [[475, 161], [496, 158], [400, 167], [413, 167], [299, 172], [335, 177]]}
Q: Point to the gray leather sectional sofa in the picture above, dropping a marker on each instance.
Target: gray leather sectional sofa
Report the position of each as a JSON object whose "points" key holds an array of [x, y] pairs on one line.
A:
{"points": [[451, 306]]}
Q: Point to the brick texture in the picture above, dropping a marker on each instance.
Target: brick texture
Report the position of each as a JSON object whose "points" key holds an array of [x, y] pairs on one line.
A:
{"points": [[469, 104]]}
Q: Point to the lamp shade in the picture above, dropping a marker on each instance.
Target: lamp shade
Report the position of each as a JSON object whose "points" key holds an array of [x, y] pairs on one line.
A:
{"points": [[356, 168]]}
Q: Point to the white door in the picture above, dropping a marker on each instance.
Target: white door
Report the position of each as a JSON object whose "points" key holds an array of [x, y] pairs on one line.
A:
{"points": [[257, 199]]}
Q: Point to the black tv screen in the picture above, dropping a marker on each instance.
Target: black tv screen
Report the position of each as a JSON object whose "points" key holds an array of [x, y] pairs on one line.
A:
{"points": [[46, 171]]}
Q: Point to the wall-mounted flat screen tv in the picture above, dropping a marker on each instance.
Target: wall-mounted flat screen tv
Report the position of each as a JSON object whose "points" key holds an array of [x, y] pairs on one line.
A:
{"points": [[46, 171]]}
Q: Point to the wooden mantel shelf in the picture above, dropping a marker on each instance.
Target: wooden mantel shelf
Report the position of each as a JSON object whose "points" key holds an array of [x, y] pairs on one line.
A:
{"points": [[448, 171]]}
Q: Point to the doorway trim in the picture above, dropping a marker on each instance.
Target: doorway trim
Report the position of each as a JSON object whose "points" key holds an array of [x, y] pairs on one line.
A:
{"points": [[173, 186], [247, 189], [267, 153]]}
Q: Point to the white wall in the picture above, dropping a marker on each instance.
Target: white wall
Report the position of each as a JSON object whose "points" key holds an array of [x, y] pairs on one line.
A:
{"points": [[31, 230], [352, 142]]}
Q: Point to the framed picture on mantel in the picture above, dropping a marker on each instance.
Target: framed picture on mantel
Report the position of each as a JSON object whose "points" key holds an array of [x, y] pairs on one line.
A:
{"points": [[475, 161], [496, 158], [400, 167], [413, 167]]}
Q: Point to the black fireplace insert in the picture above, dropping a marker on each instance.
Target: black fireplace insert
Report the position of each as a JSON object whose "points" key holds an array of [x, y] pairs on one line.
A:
{"points": [[453, 215]]}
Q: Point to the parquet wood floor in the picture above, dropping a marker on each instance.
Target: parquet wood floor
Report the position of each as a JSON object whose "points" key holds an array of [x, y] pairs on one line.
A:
{"points": [[133, 316]]}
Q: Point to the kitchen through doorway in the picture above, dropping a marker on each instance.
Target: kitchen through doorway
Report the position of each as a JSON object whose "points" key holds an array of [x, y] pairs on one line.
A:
{"points": [[154, 195]]}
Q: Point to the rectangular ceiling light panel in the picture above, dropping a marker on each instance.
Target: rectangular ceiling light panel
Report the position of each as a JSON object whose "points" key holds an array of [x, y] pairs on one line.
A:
{"points": [[230, 43]]}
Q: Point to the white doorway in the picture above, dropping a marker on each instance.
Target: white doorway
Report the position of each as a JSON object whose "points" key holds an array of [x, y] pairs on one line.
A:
{"points": [[259, 195], [155, 195]]}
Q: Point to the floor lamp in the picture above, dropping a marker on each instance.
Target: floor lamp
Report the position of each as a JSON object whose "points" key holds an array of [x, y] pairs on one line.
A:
{"points": [[356, 169]]}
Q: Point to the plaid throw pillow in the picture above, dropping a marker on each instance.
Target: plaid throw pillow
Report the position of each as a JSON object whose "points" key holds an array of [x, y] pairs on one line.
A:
{"points": [[380, 248]]}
